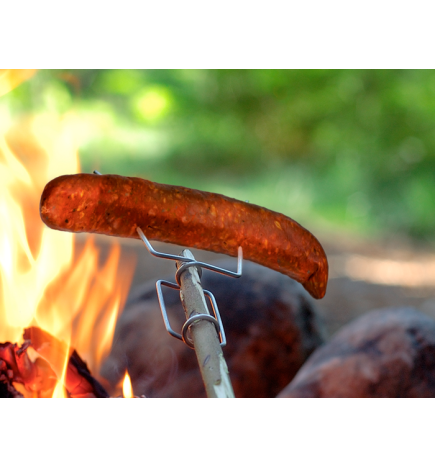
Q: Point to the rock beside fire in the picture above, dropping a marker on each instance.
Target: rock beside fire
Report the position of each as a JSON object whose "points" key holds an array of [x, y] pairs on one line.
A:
{"points": [[270, 323], [384, 353]]}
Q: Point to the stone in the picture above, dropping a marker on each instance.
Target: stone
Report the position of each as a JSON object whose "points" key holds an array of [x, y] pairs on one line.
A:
{"points": [[384, 353]]}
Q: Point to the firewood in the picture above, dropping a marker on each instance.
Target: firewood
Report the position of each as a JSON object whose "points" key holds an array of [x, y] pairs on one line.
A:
{"points": [[42, 374], [7, 390], [87, 386], [35, 376], [79, 382]]}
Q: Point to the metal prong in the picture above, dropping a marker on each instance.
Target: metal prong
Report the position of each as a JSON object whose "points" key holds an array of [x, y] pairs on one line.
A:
{"points": [[215, 308], [98, 173], [154, 252], [163, 307], [233, 274], [207, 266]]}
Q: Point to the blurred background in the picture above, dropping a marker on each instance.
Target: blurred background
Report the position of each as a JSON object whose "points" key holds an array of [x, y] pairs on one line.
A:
{"points": [[350, 154], [338, 150]]}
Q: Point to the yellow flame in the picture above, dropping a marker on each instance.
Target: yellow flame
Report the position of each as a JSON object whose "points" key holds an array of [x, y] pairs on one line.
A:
{"points": [[31, 256], [127, 389], [43, 281], [59, 389]]}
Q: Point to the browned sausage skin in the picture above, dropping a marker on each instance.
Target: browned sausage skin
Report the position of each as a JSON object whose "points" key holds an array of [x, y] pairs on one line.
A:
{"points": [[116, 205]]}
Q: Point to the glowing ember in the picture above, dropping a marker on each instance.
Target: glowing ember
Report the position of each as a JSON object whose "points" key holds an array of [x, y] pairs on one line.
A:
{"points": [[42, 281]]}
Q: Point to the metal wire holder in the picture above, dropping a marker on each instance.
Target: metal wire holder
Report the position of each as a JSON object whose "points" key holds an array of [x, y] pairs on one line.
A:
{"points": [[187, 262], [183, 336]]}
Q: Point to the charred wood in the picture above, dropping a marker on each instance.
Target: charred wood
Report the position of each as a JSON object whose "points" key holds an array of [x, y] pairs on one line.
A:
{"points": [[42, 374], [79, 382]]}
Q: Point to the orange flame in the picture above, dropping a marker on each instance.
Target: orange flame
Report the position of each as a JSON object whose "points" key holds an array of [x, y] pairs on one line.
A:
{"points": [[42, 281]]}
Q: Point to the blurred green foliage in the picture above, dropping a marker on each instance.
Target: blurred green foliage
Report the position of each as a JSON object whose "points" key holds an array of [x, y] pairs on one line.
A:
{"points": [[347, 149]]}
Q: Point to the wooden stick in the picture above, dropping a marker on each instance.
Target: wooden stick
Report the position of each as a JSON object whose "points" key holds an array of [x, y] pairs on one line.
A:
{"points": [[208, 350]]}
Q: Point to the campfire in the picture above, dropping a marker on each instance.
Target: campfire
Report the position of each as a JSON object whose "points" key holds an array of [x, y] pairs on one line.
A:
{"points": [[59, 304]]}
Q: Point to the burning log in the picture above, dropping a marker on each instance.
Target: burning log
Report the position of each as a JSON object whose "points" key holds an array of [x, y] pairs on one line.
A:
{"points": [[16, 366], [7, 390], [79, 382], [42, 374]]}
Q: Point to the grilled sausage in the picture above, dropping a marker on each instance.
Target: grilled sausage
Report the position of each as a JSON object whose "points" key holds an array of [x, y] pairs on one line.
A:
{"points": [[116, 205]]}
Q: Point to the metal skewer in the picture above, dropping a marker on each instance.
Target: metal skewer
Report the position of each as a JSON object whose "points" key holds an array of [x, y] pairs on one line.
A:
{"points": [[205, 339]]}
